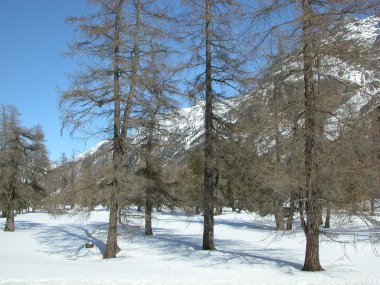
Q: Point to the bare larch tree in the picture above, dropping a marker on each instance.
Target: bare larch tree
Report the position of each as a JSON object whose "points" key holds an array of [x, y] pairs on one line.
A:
{"points": [[210, 24], [106, 89]]}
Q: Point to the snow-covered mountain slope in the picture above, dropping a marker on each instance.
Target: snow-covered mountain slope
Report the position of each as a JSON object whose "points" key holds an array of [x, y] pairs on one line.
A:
{"points": [[358, 71], [361, 77], [189, 125], [362, 30], [91, 151], [346, 76], [346, 53]]}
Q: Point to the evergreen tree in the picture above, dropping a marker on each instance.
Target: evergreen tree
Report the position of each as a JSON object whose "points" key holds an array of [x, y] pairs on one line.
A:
{"points": [[23, 161], [313, 23], [98, 92], [119, 40], [214, 50]]}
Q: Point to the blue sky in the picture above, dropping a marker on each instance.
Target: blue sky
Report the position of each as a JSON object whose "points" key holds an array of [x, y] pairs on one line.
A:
{"points": [[33, 38]]}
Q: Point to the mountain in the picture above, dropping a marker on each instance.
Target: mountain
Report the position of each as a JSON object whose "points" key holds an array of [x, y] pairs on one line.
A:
{"points": [[346, 74], [99, 147], [358, 88]]}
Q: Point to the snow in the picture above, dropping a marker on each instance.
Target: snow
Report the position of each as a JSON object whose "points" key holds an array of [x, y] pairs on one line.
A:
{"points": [[51, 250], [190, 123], [91, 151], [367, 29]]}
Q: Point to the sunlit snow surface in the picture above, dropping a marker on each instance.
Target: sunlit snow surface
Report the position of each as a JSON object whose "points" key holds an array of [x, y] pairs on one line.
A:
{"points": [[50, 250]]}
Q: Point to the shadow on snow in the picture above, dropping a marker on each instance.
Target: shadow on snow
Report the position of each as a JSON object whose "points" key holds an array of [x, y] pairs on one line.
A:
{"points": [[69, 240], [174, 246]]}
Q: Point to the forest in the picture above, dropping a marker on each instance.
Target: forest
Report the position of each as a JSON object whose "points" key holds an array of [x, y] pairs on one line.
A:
{"points": [[205, 106]]}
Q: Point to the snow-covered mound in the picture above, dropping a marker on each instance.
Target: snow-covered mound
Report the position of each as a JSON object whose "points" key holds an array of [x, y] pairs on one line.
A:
{"points": [[51, 251]]}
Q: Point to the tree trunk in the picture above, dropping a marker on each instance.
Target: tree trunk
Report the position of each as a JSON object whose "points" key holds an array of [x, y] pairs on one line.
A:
{"points": [[279, 222], [10, 221], [208, 225], [151, 171], [289, 221], [279, 211], [209, 167], [118, 143], [312, 207], [148, 214], [328, 215], [321, 217], [120, 215], [218, 210], [134, 70], [279, 218], [372, 213], [311, 229], [312, 249], [111, 247]]}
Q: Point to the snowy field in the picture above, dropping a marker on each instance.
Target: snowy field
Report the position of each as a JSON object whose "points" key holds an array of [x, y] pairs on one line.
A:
{"points": [[51, 251]]}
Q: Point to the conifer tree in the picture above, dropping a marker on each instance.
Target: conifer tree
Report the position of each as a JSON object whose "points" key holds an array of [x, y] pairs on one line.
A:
{"points": [[99, 91], [215, 51], [313, 22], [105, 96], [23, 161]]}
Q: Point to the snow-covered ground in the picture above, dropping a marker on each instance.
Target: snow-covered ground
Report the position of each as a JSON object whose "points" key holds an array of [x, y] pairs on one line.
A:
{"points": [[50, 250]]}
